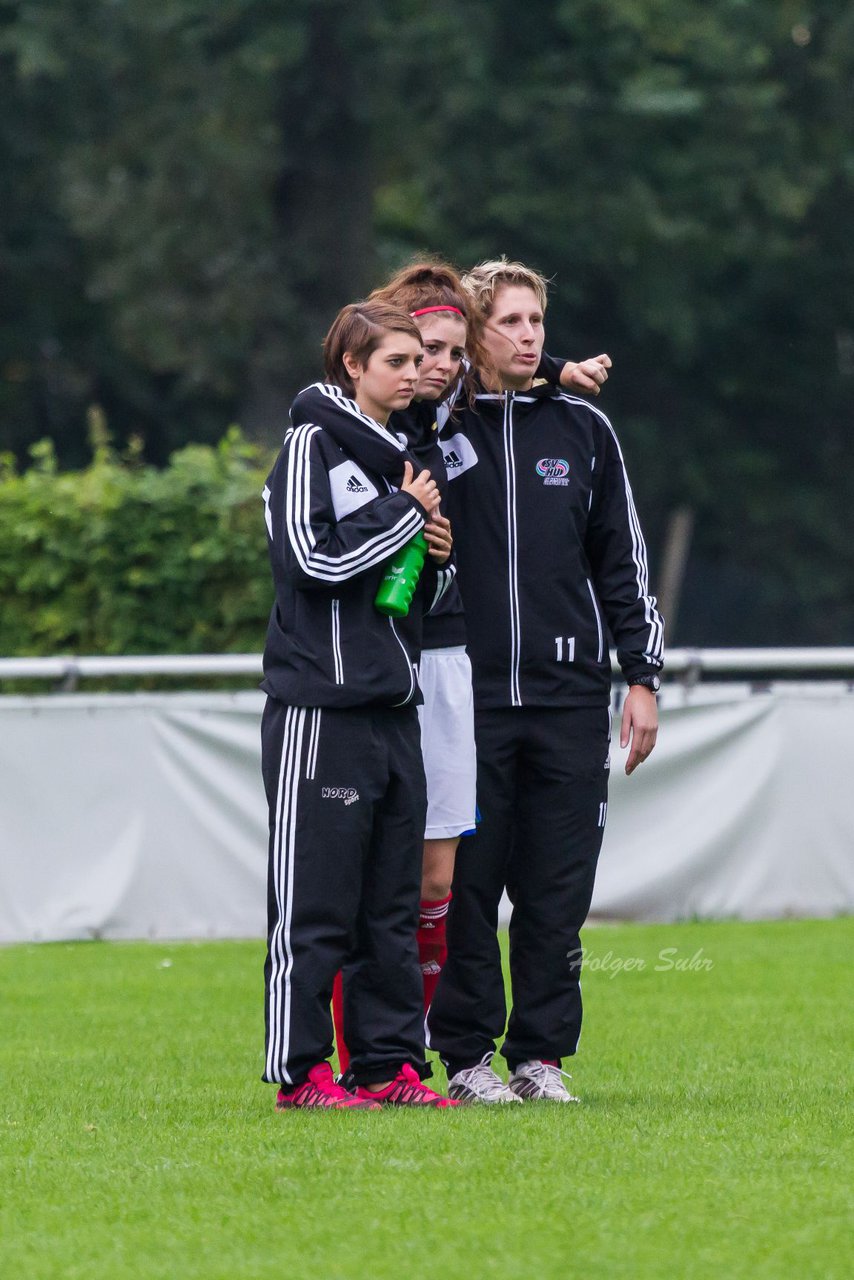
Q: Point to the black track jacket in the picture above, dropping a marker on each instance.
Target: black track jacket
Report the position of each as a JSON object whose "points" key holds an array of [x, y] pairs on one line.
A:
{"points": [[334, 519], [549, 550]]}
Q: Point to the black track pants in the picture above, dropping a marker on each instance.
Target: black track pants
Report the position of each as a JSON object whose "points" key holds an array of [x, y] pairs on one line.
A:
{"points": [[347, 804], [542, 784]]}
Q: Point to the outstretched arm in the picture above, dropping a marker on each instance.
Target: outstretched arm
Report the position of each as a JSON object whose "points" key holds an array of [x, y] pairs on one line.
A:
{"points": [[587, 375]]}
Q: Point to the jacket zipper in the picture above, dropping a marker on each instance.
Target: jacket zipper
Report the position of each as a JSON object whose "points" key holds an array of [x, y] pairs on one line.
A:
{"points": [[512, 553]]}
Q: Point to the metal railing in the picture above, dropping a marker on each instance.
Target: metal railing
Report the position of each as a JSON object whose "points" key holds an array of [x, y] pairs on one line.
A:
{"points": [[70, 668], [685, 665]]}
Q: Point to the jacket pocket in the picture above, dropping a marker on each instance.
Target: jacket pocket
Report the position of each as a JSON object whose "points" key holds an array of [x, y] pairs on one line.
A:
{"points": [[409, 667], [600, 634]]}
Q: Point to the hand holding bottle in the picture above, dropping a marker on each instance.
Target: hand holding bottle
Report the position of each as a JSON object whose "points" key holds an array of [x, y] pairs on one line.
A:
{"points": [[437, 534]]}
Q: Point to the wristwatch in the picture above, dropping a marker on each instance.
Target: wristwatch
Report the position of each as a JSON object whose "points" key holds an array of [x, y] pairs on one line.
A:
{"points": [[647, 682]]}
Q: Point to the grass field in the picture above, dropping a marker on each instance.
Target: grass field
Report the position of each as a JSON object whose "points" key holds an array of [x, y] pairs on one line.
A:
{"points": [[714, 1138]]}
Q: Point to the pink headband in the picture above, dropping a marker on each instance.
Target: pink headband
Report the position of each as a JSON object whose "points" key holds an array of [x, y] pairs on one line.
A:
{"points": [[426, 311]]}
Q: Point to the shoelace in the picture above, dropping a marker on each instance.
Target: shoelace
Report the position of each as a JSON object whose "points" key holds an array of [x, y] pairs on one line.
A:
{"points": [[327, 1086], [547, 1076], [406, 1090], [483, 1081], [415, 1090]]}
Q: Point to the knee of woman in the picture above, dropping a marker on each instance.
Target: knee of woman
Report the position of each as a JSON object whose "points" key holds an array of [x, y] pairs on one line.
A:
{"points": [[434, 888], [437, 868]]}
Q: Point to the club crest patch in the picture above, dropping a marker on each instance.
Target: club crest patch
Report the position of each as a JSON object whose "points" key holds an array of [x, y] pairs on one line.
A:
{"points": [[554, 471]]}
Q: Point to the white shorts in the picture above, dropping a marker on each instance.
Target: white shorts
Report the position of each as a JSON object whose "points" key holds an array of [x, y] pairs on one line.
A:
{"points": [[447, 741]]}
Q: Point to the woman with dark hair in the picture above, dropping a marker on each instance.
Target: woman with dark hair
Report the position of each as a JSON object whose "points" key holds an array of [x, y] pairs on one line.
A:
{"points": [[341, 755], [430, 292]]}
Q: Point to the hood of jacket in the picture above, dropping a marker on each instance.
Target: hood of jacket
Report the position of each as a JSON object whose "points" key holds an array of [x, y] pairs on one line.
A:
{"points": [[360, 436]]}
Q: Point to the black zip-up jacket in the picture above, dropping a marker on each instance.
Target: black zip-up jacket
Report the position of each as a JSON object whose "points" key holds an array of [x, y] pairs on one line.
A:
{"points": [[549, 550], [420, 426], [437, 602], [334, 519]]}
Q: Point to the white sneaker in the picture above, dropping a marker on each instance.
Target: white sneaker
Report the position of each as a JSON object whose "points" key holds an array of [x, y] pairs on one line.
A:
{"points": [[480, 1084], [533, 1080]]}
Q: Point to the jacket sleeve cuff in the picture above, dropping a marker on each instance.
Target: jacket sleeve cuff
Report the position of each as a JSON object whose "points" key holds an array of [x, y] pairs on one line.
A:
{"points": [[422, 511], [633, 670]]}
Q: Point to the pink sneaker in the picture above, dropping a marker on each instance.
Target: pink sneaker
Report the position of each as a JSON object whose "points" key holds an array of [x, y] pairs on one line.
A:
{"points": [[320, 1090], [405, 1090]]}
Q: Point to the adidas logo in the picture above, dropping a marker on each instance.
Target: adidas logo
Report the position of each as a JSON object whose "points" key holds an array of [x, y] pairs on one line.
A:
{"points": [[354, 485], [453, 459]]}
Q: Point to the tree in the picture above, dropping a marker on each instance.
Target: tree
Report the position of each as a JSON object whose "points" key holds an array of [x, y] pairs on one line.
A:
{"points": [[201, 186]]}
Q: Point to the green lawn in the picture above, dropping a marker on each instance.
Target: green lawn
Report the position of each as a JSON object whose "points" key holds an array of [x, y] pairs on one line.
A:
{"points": [[714, 1138]]}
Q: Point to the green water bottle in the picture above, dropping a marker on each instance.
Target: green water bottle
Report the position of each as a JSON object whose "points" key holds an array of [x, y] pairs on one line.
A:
{"points": [[395, 592]]}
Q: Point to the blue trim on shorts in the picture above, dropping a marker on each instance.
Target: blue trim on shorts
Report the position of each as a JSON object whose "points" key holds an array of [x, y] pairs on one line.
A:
{"points": [[472, 831]]}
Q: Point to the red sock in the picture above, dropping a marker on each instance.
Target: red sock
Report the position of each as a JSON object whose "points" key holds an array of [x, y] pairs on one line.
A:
{"points": [[338, 1021], [432, 944]]}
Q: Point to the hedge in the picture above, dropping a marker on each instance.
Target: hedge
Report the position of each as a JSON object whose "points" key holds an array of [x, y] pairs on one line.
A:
{"points": [[123, 558]]}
